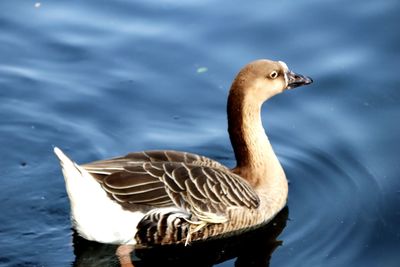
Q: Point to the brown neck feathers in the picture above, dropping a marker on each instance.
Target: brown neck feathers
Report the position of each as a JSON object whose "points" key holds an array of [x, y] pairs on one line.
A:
{"points": [[256, 160]]}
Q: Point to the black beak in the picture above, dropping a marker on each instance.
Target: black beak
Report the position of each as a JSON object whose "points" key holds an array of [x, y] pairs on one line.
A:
{"points": [[296, 80]]}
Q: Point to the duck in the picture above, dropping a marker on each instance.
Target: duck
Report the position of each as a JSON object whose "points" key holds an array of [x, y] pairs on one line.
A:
{"points": [[161, 197]]}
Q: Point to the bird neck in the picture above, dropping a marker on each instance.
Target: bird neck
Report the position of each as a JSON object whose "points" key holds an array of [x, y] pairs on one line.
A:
{"points": [[255, 158]]}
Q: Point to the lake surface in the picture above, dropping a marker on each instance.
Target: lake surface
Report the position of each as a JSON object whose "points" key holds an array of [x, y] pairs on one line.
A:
{"points": [[102, 78]]}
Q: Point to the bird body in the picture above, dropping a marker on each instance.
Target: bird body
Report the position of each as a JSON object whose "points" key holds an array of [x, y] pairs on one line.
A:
{"points": [[168, 197]]}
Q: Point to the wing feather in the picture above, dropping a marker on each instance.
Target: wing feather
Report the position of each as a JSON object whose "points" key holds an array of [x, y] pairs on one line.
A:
{"points": [[171, 178]]}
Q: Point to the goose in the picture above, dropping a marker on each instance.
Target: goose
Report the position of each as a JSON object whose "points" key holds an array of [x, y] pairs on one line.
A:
{"points": [[163, 197]]}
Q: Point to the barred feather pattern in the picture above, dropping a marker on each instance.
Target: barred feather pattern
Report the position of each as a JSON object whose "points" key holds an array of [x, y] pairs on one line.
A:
{"points": [[161, 227], [179, 190], [165, 178]]}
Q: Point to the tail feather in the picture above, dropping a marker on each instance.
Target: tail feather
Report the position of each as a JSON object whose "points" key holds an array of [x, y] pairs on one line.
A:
{"points": [[65, 160], [62, 157], [94, 215]]}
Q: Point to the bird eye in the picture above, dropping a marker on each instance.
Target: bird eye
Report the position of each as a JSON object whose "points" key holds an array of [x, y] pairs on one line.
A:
{"points": [[273, 74]]}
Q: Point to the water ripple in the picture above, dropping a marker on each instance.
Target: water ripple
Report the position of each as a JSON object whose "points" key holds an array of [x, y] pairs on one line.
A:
{"points": [[329, 203]]}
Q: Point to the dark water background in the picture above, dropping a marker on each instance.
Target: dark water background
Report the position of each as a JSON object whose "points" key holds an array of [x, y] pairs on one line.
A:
{"points": [[101, 78]]}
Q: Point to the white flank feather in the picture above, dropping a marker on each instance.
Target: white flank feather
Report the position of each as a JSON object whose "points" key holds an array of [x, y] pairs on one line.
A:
{"points": [[94, 215]]}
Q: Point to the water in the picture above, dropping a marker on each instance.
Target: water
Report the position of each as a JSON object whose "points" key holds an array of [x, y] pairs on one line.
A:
{"points": [[101, 78]]}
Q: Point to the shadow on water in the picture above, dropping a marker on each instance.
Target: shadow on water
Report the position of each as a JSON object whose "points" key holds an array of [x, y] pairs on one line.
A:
{"points": [[253, 248], [102, 78]]}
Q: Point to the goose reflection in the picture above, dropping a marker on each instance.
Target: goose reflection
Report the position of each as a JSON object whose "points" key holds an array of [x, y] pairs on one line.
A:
{"points": [[252, 248]]}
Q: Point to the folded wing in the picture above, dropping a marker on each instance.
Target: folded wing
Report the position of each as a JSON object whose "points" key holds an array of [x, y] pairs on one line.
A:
{"points": [[196, 184]]}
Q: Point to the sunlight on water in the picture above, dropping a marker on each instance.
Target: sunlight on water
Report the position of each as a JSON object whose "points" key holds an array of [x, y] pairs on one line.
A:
{"points": [[100, 79]]}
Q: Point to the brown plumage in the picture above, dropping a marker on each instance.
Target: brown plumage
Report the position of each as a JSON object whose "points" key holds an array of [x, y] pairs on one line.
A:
{"points": [[165, 178], [177, 197]]}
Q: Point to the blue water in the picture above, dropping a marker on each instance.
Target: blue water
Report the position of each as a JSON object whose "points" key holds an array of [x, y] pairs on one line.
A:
{"points": [[102, 78]]}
